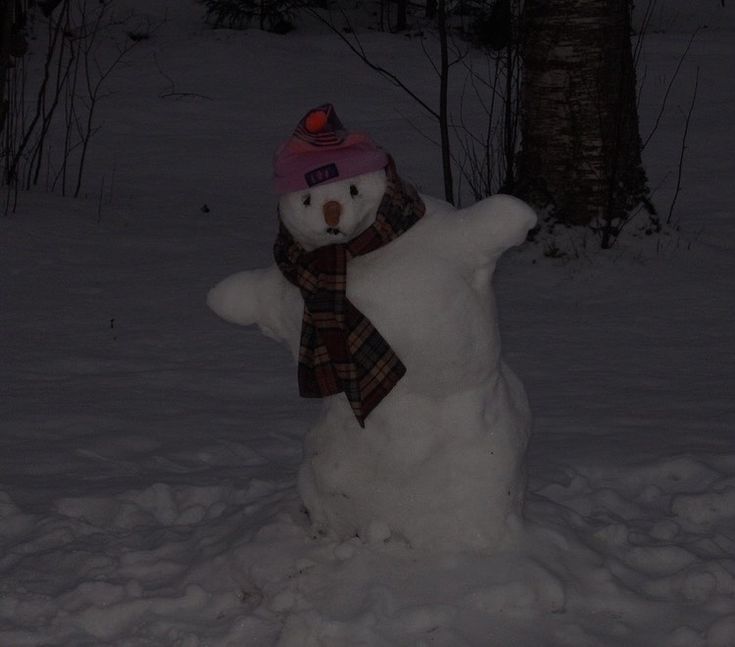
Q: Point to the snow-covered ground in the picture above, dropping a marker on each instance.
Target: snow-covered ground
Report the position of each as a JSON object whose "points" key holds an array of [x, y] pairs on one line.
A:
{"points": [[148, 451]]}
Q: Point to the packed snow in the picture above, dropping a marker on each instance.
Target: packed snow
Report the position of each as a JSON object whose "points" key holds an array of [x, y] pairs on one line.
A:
{"points": [[150, 451]]}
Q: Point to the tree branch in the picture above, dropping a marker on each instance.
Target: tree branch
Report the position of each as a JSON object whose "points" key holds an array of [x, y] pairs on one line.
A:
{"points": [[683, 148]]}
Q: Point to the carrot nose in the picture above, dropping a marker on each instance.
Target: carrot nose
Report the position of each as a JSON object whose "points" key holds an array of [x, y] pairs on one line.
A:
{"points": [[332, 211]]}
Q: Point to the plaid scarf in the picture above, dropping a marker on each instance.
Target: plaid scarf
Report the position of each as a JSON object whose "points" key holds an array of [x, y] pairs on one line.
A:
{"points": [[341, 351]]}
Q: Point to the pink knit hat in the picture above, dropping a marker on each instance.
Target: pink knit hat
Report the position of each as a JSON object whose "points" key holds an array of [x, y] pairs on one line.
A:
{"points": [[322, 151]]}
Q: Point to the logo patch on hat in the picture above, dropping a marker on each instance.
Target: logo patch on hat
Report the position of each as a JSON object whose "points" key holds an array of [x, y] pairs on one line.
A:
{"points": [[321, 174]]}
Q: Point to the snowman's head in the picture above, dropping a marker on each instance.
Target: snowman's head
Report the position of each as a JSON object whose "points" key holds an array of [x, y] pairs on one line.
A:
{"points": [[335, 212], [330, 181]]}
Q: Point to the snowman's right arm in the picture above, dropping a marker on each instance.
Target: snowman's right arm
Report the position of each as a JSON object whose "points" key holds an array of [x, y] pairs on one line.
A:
{"points": [[262, 297]]}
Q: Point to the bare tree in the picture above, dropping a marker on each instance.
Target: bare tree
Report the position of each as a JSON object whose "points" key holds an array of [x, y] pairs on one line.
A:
{"points": [[441, 114], [85, 41], [443, 100], [13, 45]]}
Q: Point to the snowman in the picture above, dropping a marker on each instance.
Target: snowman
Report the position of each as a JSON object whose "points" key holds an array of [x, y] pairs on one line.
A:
{"points": [[384, 298]]}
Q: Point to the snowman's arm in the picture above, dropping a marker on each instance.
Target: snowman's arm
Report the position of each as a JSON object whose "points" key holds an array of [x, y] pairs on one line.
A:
{"points": [[263, 297], [482, 232]]}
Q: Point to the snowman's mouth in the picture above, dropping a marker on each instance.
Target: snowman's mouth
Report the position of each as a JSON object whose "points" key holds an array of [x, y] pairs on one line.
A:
{"points": [[334, 231]]}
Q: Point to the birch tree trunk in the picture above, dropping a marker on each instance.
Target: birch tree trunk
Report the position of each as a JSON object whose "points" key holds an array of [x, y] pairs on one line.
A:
{"points": [[5, 32], [401, 15], [581, 144]]}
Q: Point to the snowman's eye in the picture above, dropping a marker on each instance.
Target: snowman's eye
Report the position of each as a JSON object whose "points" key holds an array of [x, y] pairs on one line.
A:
{"points": [[353, 190], [306, 200]]}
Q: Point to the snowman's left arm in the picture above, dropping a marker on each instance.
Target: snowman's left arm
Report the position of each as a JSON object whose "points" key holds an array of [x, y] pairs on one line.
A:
{"points": [[481, 233]]}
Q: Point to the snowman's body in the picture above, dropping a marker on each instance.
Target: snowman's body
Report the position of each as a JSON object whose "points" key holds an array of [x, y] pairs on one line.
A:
{"points": [[439, 463]]}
